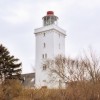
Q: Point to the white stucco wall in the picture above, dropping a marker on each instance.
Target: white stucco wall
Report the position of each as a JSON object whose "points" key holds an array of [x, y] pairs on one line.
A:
{"points": [[52, 41]]}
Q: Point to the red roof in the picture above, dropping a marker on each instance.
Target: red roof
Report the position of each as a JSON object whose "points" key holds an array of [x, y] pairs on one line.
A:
{"points": [[50, 13]]}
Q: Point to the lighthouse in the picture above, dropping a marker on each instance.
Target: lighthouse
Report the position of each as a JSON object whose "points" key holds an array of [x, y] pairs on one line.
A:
{"points": [[50, 42]]}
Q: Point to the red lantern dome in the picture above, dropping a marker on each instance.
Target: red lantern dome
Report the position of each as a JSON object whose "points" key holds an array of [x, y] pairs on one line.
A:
{"points": [[50, 13]]}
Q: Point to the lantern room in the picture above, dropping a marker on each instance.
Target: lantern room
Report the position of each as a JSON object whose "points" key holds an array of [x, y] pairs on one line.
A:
{"points": [[49, 19]]}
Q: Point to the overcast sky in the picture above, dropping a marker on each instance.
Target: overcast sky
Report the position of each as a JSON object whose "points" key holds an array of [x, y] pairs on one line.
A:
{"points": [[19, 18]]}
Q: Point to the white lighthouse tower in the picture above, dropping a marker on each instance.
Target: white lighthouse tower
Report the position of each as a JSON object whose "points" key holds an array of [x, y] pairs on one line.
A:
{"points": [[50, 42]]}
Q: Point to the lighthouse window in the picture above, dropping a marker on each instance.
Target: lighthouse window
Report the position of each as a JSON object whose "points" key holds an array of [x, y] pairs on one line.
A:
{"points": [[44, 80], [44, 67], [44, 34], [45, 55], [42, 55], [59, 45], [59, 35], [44, 45]]}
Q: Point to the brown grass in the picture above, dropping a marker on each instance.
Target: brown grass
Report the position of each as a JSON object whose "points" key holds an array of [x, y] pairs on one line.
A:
{"points": [[79, 91]]}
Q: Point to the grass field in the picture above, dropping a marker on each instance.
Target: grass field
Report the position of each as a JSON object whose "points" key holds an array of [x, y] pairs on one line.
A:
{"points": [[81, 91]]}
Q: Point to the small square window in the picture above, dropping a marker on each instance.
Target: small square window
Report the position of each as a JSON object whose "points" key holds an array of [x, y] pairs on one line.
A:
{"points": [[42, 55], [44, 80], [45, 55], [44, 45], [44, 34], [44, 67], [59, 45], [59, 35]]}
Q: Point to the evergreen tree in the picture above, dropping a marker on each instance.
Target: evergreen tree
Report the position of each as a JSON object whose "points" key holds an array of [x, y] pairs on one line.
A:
{"points": [[10, 68]]}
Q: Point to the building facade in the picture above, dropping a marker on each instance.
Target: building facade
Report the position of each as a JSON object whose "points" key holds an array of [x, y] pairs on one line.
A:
{"points": [[50, 42], [28, 80]]}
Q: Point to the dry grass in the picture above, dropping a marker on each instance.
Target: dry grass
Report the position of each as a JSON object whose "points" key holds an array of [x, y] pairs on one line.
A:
{"points": [[79, 91]]}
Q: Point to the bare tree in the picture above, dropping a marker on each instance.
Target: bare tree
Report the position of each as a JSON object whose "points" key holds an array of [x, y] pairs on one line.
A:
{"points": [[64, 69], [68, 70], [91, 63]]}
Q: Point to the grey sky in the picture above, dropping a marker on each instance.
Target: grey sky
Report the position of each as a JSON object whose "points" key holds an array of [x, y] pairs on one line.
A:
{"points": [[19, 18]]}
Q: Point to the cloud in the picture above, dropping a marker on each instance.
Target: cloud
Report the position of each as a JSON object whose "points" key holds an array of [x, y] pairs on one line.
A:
{"points": [[19, 18]]}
